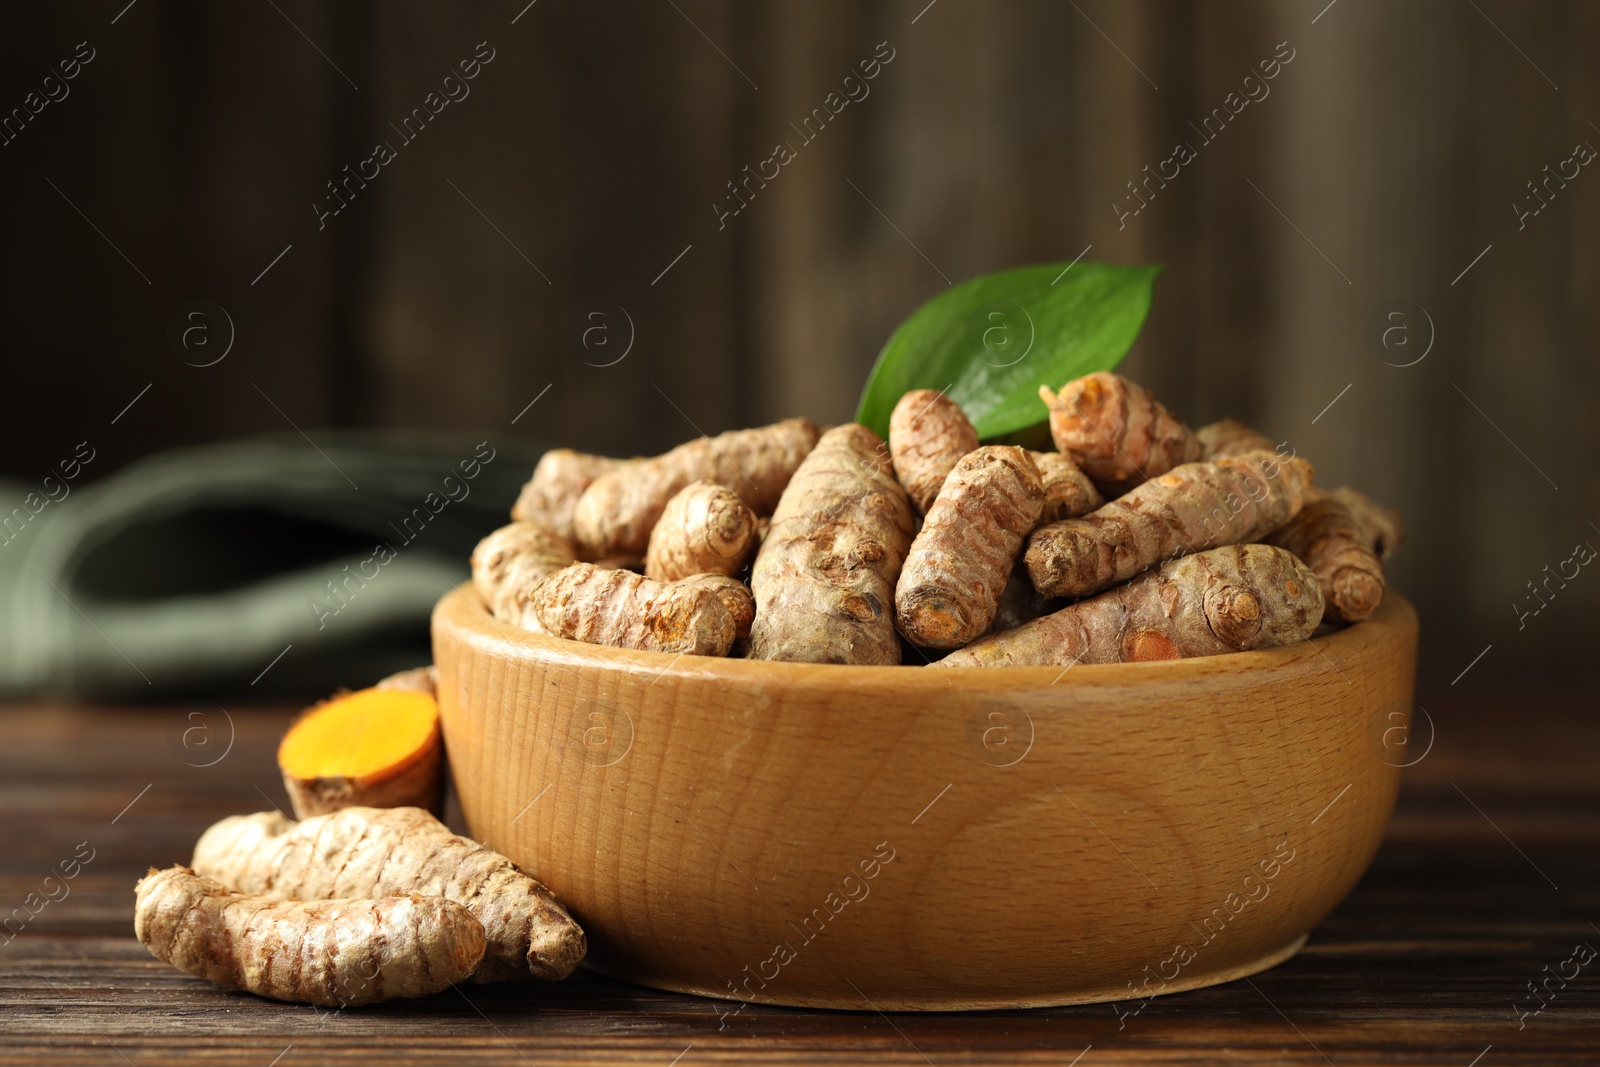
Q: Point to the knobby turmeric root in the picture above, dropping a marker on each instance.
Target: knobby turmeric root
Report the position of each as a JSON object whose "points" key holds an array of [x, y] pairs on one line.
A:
{"points": [[824, 578], [1230, 437], [336, 953], [735, 596], [1325, 536], [1191, 508], [704, 529], [928, 434], [509, 563], [617, 511], [1117, 431], [628, 610], [1068, 492], [559, 479], [381, 852], [378, 747], [666, 543], [1231, 599], [950, 587], [1379, 526], [1324, 532]]}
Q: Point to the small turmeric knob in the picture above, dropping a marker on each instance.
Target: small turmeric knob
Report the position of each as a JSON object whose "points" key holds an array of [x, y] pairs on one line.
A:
{"points": [[1233, 613]]}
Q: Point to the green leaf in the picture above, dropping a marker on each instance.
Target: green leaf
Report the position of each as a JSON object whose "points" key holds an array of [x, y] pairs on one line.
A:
{"points": [[990, 342]]}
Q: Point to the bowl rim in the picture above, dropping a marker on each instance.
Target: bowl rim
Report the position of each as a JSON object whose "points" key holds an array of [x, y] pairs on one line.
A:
{"points": [[463, 608]]}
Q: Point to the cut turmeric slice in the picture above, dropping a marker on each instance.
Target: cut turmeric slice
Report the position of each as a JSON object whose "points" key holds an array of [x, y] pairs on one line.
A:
{"points": [[378, 748]]}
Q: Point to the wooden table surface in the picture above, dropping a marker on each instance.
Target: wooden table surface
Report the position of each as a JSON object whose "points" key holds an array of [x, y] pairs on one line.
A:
{"points": [[1489, 879]]}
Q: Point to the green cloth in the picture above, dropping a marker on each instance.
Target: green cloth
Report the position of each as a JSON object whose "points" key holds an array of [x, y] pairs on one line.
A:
{"points": [[191, 572]]}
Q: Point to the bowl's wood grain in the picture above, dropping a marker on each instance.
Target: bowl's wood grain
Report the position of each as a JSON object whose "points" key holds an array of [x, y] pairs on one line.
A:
{"points": [[1104, 833]]}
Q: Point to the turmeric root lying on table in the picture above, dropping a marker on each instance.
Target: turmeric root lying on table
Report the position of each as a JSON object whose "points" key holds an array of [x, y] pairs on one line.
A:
{"points": [[383, 852], [1231, 599], [336, 953]]}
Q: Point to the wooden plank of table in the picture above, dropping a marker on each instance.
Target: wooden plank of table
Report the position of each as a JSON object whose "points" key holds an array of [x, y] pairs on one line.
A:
{"points": [[1489, 876]]}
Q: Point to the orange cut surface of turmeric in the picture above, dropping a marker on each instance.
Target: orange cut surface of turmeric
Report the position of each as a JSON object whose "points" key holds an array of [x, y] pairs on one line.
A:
{"points": [[367, 734]]}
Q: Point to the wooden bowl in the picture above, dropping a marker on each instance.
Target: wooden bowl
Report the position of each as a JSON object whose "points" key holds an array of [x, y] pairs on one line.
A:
{"points": [[926, 838]]}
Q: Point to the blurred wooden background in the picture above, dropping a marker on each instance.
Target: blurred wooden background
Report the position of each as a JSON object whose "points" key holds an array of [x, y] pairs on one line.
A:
{"points": [[461, 281]]}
